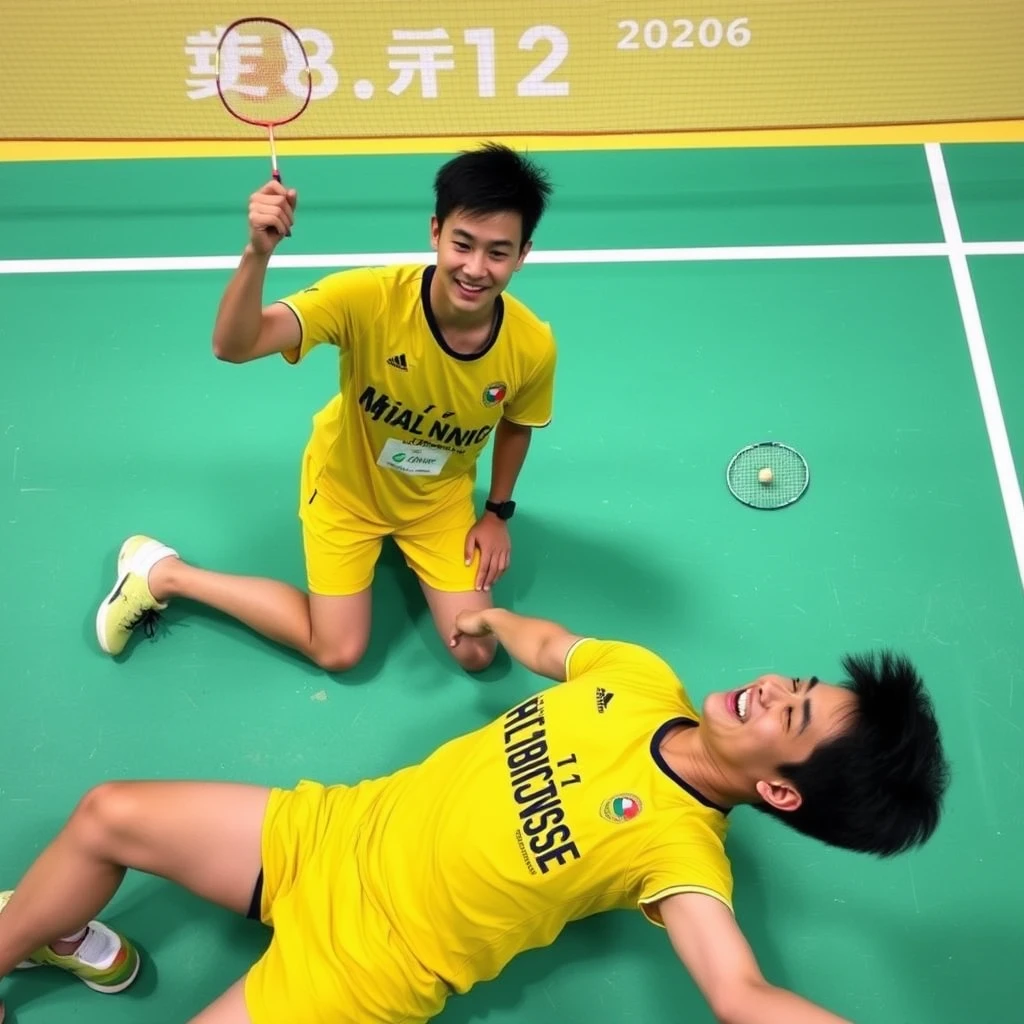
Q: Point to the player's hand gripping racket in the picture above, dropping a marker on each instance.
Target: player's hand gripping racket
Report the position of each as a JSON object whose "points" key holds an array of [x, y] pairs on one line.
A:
{"points": [[263, 75]]}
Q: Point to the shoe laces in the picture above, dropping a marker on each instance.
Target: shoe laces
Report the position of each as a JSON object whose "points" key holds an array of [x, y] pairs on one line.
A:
{"points": [[148, 620]]}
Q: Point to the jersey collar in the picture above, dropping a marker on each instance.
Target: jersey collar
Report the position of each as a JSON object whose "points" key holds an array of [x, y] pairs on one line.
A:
{"points": [[435, 330], [660, 761]]}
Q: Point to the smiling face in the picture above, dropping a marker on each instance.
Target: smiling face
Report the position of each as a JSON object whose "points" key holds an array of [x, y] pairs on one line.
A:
{"points": [[476, 258], [770, 722]]}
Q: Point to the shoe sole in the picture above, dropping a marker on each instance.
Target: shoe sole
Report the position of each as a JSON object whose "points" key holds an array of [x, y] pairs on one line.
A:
{"points": [[101, 614], [110, 990]]}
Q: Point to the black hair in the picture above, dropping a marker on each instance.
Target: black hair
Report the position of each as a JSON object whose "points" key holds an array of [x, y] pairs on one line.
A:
{"points": [[493, 179], [878, 786]]}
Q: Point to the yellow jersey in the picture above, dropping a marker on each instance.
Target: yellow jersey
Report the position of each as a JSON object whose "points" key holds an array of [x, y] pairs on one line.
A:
{"points": [[412, 416], [561, 808]]}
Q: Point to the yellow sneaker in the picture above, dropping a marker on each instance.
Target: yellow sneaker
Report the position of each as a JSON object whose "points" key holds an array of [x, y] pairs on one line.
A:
{"points": [[131, 603], [105, 960]]}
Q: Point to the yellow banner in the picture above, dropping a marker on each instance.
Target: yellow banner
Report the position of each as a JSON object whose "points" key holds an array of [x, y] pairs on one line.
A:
{"points": [[145, 69]]}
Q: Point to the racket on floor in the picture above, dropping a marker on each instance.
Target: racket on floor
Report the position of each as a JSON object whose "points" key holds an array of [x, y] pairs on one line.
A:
{"points": [[768, 475], [263, 76]]}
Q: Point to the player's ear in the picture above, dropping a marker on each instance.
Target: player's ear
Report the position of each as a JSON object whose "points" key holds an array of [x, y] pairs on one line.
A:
{"points": [[781, 795], [435, 232]]}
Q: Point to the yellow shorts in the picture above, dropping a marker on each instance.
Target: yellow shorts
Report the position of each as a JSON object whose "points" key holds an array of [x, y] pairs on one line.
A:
{"points": [[342, 548], [334, 958]]}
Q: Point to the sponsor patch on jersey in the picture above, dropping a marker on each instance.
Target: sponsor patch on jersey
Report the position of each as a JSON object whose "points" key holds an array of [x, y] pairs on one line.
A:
{"points": [[622, 808]]}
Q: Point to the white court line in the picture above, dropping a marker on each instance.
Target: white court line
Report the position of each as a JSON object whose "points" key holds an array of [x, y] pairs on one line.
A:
{"points": [[700, 254], [987, 391], [697, 254], [994, 248]]}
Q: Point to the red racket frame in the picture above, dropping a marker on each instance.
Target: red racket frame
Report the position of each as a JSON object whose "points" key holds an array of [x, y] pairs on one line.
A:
{"points": [[269, 125]]}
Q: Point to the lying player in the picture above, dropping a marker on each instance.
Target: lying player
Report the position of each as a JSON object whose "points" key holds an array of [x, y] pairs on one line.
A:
{"points": [[608, 791], [434, 362]]}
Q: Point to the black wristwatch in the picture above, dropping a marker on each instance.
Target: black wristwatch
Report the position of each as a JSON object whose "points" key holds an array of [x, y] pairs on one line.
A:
{"points": [[502, 509]]}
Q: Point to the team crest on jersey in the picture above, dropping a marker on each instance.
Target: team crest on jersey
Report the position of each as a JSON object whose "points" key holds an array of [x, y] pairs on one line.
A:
{"points": [[494, 394], [622, 808]]}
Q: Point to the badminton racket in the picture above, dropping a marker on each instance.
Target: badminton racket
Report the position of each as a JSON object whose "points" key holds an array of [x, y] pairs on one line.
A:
{"points": [[263, 76], [767, 475]]}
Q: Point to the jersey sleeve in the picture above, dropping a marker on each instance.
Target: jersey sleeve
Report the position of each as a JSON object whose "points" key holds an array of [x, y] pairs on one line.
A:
{"points": [[532, 405], [333, 310], [682, 863], [589, 653], [629, 665]]}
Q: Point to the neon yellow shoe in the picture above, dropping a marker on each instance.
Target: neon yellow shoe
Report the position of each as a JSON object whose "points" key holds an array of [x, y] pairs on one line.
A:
{"points": [[105, 961], [130, 603]]}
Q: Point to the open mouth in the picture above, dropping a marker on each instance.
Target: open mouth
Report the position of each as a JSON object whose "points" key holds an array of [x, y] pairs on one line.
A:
{"points": [[469, 291], [739, 703]]}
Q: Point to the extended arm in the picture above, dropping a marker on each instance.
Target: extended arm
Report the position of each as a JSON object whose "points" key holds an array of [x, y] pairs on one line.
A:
{"points": [[244, 329], [711, 946], [537, 644]]}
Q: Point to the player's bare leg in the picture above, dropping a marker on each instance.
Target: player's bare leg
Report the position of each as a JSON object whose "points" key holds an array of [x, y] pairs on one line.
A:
{"points": [[474, 654], [228, 1009], [205, 837], [333, 632]]}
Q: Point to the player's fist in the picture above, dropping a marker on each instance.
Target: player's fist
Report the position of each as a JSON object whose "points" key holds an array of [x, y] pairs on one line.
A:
{"points": [[271, 215], [469, 623]]}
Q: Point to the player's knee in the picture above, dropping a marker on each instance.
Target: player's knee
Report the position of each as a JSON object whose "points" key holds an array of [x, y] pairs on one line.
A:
{"points": [[107, 815], [340, 656], [474, 657]]}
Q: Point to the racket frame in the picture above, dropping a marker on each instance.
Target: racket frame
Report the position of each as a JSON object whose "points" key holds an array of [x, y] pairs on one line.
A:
{"points": [[276, 123], [767, 444]]}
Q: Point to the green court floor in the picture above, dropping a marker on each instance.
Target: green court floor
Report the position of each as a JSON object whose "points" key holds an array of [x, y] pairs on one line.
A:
{"points": [[115, 418]]}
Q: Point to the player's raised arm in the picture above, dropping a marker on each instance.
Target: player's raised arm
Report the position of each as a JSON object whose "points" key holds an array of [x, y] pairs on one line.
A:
{"points": [[539, 645], [244, 329], [711, 946]]}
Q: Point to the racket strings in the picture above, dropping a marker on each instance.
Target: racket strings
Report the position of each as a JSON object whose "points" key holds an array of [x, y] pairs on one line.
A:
{"points": [[263, 73], [789, 476]]}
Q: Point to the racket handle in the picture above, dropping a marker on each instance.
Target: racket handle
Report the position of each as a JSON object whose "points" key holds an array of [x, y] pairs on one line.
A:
{"points": [[275, 173], [273, 155]]}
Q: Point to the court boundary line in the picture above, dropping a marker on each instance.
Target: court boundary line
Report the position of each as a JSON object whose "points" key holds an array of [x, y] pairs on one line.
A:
{"points": [[984, 375], [694, 254]]}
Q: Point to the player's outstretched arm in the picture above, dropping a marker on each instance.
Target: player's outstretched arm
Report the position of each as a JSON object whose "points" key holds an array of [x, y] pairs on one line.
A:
{"points": [[711, 946], [539, 645], [244, 330]]}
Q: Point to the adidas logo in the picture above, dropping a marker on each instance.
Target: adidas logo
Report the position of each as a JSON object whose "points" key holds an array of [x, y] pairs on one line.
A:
{"points": [[604, 698], [398, 362]]}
